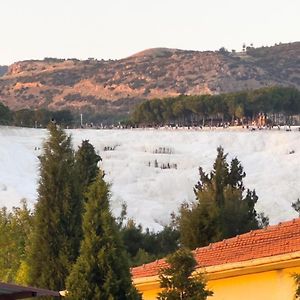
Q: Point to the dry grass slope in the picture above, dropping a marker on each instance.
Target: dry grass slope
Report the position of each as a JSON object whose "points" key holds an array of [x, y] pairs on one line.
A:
{"points": [[115, 86]]}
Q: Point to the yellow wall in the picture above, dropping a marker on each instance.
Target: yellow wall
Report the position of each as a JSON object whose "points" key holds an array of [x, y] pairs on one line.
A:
{"points": [[259, 284], [150, 294], [270, 285]]}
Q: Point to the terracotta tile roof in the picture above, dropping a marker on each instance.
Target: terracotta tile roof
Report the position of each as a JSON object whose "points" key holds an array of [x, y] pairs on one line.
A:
{"points": [[274, 240]]}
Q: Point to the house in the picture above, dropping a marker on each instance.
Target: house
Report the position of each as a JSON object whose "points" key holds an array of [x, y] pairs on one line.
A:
{"points": [[258, 265]]}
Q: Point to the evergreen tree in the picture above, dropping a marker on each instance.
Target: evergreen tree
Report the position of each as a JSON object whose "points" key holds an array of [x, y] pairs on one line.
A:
{"points": [[223, 207], [86, 163], [85, 172], [177, 281], [55, 237], [101, 270]]}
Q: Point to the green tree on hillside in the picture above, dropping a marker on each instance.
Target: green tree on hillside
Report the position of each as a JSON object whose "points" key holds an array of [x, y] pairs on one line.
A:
{"points": [[177, 280], [55, 238], [101, 270], [223, 207]]}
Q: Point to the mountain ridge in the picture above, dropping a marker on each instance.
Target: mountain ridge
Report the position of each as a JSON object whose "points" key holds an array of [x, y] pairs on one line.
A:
{"points": [[115, 86]]}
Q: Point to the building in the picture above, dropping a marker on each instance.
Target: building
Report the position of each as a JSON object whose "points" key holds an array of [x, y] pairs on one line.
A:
{"points": [[257, 265]]}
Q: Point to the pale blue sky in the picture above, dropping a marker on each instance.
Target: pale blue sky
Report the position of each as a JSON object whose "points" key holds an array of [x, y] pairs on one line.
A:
{"points": [[34, 29]]}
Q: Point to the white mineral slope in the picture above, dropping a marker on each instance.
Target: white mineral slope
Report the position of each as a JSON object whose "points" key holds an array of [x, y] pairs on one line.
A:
{"points": [[271, 160]]}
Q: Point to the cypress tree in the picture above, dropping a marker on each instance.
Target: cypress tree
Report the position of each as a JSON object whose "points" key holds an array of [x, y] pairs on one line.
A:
{"points": [[85, 172], [101, 270], [55, 236]]}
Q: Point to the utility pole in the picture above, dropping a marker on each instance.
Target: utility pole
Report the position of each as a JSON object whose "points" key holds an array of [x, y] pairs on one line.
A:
{"points": [[81, 125]]}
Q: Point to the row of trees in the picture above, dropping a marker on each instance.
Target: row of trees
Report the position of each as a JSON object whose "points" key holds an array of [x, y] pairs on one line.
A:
{"points": [[223, 108], [41, 117], [34, 118], [184, 110], [16, 226]]}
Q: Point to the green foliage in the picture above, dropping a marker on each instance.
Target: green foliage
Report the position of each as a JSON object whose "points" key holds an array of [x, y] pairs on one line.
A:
{"points": [[101, 270], [86, 164], [15, 228], [141, 257], [85, 172], [224, 107], [144, 246], [22, 275], [55, 238], [24, 118], [5, 115], [41, 117], [62, 117], [223, 207], [177, 280], [296, 277]]}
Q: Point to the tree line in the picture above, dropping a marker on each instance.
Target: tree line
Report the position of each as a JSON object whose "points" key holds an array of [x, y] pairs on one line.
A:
{"points": [[182, 110], [34, 118], [40, 118], [203, 109], [71, 239]]}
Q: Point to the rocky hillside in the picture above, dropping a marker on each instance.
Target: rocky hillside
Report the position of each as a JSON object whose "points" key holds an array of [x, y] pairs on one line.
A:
{"points": [[114, 86]]}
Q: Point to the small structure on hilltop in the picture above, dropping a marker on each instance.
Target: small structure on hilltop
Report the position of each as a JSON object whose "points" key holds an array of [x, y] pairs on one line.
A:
{"points": [[257, 265]]}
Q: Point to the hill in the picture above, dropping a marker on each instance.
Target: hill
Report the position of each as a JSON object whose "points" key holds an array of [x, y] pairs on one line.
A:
{"points": [[115, 86]]}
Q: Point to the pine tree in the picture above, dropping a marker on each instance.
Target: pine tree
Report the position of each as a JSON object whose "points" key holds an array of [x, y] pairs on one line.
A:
{"points": [[101, 270], [177, 280], [223, 207], [55, 237]]}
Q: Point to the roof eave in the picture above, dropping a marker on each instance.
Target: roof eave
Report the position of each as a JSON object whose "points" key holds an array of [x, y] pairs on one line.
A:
{"points": [[257, 265]]}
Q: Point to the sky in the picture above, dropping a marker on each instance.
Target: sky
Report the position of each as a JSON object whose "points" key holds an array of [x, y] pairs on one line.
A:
{"points": [[113, 29]]}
